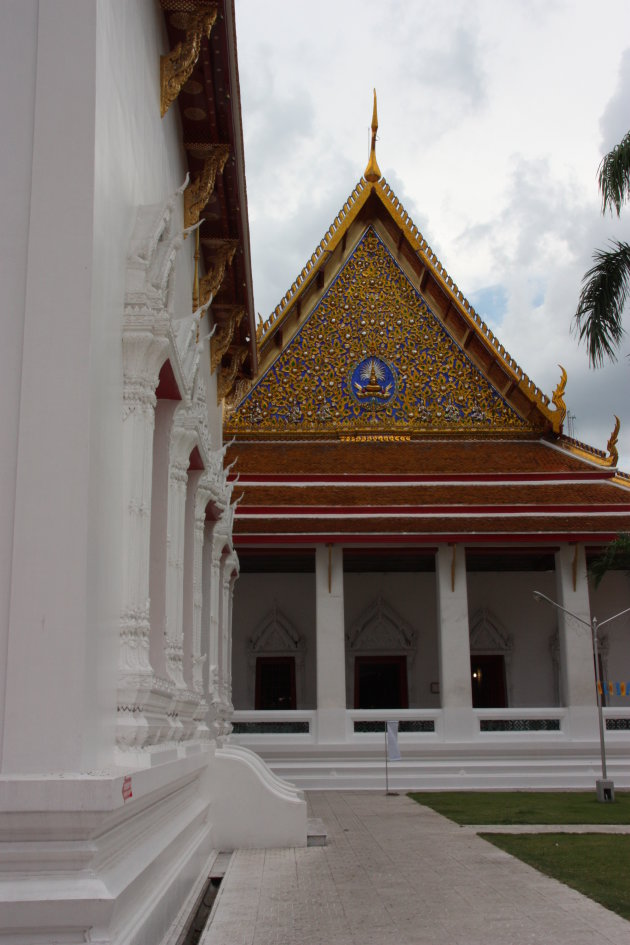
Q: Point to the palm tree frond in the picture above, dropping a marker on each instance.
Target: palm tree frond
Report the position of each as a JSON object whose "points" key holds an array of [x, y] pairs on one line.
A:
{"points": [[614, 176], [605, 287], [616, 556]]}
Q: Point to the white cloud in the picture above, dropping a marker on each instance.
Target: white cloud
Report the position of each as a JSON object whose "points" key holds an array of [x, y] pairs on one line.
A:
{"points": [[493, 119]]}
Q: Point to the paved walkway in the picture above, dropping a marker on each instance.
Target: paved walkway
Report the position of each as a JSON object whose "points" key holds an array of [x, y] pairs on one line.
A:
{"points": [[395, 873]]}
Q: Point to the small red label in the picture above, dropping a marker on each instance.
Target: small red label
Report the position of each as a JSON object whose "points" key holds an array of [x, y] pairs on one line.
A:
{"points": [[126, 788]]}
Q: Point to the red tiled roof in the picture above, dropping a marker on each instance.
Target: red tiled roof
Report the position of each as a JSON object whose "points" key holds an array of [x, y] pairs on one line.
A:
{"points": [[418, 457], [418, 490]]}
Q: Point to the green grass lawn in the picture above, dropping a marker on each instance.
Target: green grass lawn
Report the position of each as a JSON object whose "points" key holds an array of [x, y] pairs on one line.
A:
{"points": [[597, 865], [526, 807]]}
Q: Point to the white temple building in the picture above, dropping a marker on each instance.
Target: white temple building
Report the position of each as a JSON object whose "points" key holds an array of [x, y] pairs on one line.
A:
{"points": [[404, 489], [175, 607], [127, 318]]}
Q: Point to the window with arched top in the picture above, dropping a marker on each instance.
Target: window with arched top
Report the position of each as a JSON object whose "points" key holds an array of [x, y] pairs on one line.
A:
{"points": [[276, 653], [490, 662], [380, 648]]}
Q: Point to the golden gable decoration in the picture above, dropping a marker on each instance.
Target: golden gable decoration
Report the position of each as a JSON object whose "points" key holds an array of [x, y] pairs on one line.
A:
{"points": [[372, 358]]}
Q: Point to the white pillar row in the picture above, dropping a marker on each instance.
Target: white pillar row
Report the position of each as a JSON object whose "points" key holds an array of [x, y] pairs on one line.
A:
{"points": [[454, 643], [577, 671], [141, 706], [330, 644]]}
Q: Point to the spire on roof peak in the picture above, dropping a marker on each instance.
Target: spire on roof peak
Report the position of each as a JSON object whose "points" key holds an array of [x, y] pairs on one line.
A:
{"points": [[372, 171]]}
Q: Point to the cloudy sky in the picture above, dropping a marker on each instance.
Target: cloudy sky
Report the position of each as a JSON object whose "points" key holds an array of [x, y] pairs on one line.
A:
{"points": [[493, 118]]}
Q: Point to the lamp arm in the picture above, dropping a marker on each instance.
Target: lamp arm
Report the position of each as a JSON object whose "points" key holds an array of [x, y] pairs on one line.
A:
{"points": [[610, 619], [540, 596]]}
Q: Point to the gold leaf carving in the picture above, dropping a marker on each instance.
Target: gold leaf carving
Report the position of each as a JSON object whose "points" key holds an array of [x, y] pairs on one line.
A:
{"points": [[199, 190], [613, 456], [219, 256], [220, 342], [242, 386], [177, 65], [558, 401], [227, 375], [373, 313]]}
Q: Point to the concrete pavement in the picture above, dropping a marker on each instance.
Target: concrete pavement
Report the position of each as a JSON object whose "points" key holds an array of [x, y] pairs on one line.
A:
{"points": [[396, 873]]}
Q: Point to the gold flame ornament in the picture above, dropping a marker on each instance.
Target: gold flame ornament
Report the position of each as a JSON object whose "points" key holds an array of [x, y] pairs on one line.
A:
{"points": [[373, 171], [613, 456], [558, 401]]}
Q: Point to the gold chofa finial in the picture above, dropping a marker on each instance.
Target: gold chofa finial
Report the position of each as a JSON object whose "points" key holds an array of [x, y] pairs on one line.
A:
{"points": [[372, 171]]}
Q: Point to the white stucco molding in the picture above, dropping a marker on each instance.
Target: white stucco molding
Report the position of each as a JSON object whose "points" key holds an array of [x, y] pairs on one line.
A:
{"points": [[487, 634], [156, 238], [275, 635], [380, 629]]}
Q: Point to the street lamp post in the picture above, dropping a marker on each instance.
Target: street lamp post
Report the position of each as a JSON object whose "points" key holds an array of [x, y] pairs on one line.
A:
{"points": [[605, 788]]}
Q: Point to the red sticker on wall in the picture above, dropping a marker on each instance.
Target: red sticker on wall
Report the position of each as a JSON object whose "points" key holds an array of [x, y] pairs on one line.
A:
{"points": [[126, 788]]}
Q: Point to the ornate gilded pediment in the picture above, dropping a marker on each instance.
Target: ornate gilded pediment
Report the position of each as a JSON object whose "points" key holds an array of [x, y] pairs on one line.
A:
{"points": [[373, 358]]}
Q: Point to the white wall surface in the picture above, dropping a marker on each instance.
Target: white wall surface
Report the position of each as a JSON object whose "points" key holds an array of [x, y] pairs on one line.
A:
{"points": [[100, 150], [18, 51]]}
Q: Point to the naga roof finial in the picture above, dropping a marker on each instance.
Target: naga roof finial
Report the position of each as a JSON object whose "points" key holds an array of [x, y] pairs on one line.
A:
{"points": [[372, 171], [613, 456]]}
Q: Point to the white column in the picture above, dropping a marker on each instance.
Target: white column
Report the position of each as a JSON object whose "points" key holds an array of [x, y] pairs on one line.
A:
{"points": [[206, 585], [215, 607], [331, 646], [181, 445], [577, 672], [159, 535], [227, 632], [454, 643], [191, 589], [194, 605], [134, 726], [193, 660], [59, 673]]}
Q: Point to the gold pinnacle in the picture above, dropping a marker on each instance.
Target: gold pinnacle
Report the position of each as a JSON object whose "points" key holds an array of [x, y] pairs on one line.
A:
{"points": [[373, 171]]}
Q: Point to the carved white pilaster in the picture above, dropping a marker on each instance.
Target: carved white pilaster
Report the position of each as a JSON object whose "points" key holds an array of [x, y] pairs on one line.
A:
{"points": [[182, 441], [214, 590], [144, 701], [194, 676]]}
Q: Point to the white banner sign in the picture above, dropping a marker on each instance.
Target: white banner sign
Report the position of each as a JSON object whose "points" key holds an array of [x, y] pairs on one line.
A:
{"points": [[393, 752]]}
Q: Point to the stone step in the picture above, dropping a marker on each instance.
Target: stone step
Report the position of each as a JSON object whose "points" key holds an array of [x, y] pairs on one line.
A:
{"points": [[316, 835]]}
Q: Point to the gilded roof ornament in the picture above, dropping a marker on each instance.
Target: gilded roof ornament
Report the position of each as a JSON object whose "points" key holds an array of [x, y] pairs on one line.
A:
{"points": [[196, 20], [558, 401], [200, 188], [373, 171], [613, 456], [224, 335], [218, 256], [227, 376]]}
